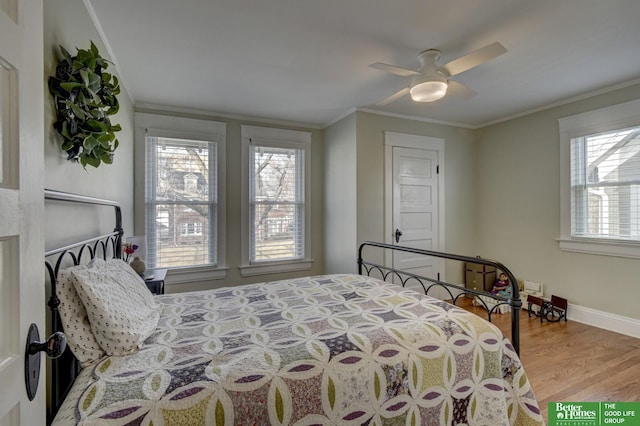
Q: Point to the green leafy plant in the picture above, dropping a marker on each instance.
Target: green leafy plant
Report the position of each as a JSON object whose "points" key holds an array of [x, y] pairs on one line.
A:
{"points": [[85, 97]]}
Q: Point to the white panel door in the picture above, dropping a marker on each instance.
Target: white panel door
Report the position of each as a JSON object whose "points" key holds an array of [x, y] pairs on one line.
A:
{"points": [[414, 203], [21, 205], [415, 208]]}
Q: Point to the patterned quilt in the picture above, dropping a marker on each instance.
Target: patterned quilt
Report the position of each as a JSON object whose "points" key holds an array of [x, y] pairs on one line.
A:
{"points": [[325, 350]]}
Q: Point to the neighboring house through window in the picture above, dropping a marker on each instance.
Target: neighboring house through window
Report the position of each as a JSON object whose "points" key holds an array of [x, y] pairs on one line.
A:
{"points": [[600, 193], [276, 212], [184, 194]]}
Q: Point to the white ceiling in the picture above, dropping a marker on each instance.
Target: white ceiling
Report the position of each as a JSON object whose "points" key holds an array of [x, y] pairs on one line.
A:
{"points": [[307, 61]]}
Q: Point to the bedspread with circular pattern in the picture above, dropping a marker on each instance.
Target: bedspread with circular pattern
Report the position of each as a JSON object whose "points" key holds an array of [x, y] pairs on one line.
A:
{"points": [[325, 350]]}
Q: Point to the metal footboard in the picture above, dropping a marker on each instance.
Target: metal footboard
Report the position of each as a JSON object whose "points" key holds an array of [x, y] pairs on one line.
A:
{"points": [[391, 274]]}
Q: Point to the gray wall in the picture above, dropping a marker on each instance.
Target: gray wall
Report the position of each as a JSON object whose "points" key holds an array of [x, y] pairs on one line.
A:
{"points": [[67, 23], [518, 219], [340, 205], [459, 181], [369, 184]]}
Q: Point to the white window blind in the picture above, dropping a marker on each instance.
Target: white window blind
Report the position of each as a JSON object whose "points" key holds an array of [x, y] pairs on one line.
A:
{"points": [[605, 185], [277, 202], [181, 201]]}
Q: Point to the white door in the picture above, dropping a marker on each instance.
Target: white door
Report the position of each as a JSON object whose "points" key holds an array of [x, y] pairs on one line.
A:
{"points": [[21, 205], [415, 219]]}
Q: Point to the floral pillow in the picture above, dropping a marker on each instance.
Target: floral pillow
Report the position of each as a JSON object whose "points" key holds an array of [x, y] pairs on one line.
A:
{"points": [[74, 319], [121, 310]]}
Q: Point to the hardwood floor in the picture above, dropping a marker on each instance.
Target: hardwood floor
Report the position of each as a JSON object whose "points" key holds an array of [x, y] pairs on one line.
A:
{"points": [[570, 361]]}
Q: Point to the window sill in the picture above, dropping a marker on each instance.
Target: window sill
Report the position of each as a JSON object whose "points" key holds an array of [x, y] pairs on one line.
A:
{"points": [[196, 274], [603, 248], [275, 267]]}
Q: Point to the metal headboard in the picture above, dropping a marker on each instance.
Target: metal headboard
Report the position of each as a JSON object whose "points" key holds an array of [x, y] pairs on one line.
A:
{"points": [[65, 369]]}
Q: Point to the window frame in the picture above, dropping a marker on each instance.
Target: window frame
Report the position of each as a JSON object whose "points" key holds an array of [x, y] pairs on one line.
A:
{"points": [[280, 138], [606, 119], [190, 129]]}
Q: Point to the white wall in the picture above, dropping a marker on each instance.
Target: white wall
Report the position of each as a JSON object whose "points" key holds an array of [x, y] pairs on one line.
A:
{"points": [[518, 219], [67, 23], [340, 203]]}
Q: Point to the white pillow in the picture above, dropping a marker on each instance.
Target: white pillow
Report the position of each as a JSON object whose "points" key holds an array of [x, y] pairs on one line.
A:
{"points": [[74, 319], [120, 307]]}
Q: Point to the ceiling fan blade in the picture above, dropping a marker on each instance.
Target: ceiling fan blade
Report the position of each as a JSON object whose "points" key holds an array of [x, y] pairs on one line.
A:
{"points": [[474, 58], [404, 72], [400, 93], [459, 90]]}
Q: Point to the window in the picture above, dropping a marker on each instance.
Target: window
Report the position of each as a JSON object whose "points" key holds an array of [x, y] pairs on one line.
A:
{"points": [[601, 181], [184, 193], [276, 210], [172, 163], [194, 229]]}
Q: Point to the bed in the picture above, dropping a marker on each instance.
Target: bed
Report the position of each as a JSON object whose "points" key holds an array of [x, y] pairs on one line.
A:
{"points": [[329, 349]]}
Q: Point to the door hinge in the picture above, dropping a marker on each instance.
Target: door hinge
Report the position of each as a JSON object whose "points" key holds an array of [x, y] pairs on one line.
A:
{"points": [[438, 169]]}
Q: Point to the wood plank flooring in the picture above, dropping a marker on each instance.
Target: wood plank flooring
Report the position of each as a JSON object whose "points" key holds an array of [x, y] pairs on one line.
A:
{"points": [[570, 361]]}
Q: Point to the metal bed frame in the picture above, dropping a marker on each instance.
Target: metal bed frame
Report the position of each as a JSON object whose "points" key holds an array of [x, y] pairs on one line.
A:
{"points": [[388, 273], [65, 368]]}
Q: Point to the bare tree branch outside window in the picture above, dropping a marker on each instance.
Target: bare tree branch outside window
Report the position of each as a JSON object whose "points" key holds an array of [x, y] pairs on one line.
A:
{"points": [[183, 202], [277, 203]]}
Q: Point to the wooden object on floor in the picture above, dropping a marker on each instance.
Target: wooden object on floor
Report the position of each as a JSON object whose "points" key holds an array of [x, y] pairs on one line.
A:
{"points": [[552, 310], [535, 301], [574, 362], [479, 277], [557, 309]]}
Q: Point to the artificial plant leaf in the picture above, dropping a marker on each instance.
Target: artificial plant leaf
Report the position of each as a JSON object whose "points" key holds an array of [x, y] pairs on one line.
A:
{"points": [[69, 86], [96, 125], [54, 86], [95, 102], [77, 65], [86, 58], [106, 137], [64, 131], [91, 160], [114, 109], [66, 145], [94, 81], [77, 111], [107, 158], [116, 86], [84, 74], [94, 49], [65, 55], [84, 97]]}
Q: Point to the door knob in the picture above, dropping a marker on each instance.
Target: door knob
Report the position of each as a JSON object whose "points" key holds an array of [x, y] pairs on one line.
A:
{"points": [[398, 235], [54, 346]]}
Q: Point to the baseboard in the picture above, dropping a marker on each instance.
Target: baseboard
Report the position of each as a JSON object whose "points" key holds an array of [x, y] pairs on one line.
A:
{"points": [[605, 320]]}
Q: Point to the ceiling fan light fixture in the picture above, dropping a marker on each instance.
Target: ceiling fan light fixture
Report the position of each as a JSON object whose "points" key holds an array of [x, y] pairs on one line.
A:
{"points": [[429, 89]]}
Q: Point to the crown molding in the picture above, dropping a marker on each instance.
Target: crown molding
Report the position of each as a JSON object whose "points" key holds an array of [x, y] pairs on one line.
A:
{"points": [[199, 113]]}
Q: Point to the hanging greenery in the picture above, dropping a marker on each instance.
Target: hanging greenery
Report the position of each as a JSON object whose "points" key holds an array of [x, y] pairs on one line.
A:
{"points": [[85, 97]]}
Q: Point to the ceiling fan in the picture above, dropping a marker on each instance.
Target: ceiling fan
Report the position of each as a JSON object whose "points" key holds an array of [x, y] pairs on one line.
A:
{"points": [[431, 81]]}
